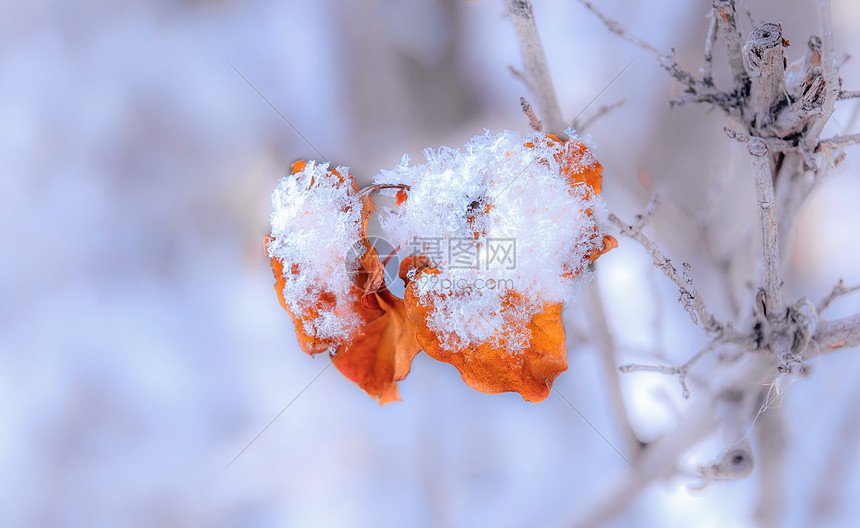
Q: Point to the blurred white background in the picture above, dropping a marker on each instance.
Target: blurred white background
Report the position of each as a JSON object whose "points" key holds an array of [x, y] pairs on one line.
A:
{"points": [[142, 345]]}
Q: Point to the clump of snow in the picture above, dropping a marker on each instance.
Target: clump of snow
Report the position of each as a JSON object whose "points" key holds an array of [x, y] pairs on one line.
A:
{"points": [[316, 220], [494, 218]]}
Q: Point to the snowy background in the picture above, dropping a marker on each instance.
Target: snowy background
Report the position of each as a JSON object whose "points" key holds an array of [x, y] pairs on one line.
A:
{"points": [[142, 345]]}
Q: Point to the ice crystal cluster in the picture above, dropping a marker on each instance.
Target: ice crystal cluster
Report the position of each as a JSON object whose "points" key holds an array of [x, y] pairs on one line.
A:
{"points": [[530, 229], [316, 219]]}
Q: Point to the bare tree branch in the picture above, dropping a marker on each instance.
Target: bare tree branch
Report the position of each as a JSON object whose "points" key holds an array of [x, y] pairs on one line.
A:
{"points": [[708, 68], [839, 141], [644, 219], [848, 94], [537, 69], [831, 336], [682, 371], [764, 61], [773, 144], [782, 112], [831, 79], [690, 297], [769, 234], [520, 76], [660, 457], [838, 291], [666, 61], [830, 76]]}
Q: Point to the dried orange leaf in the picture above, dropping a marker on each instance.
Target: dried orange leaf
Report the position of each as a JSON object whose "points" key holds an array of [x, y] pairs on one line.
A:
{"points": [[382, 354], [379, 349], [491, 367]]}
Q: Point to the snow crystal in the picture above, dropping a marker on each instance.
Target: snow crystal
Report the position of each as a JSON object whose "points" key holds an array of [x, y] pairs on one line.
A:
{"points": [[316, 223], [529, 232]]}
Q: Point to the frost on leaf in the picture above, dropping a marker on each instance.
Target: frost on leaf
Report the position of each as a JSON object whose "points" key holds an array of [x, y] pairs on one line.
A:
{"points": [[330, 281], [527, 214], [488, 365]]}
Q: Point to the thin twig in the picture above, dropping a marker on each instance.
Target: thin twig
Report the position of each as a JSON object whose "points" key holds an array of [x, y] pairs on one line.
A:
{"points": [[690, 298], [364, 191], [602, 111], [535, 123], [710, 39], [644, 219], [848, 94], [773, 144], [697, 91], [769, 229], [838, 291], [839, 141], [520, 76], [682, 371], [616, 27]]}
